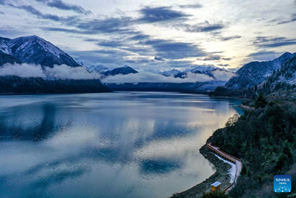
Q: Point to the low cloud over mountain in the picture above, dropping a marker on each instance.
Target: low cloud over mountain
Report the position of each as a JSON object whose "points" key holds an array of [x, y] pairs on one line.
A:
{"points": [[57, 71]]}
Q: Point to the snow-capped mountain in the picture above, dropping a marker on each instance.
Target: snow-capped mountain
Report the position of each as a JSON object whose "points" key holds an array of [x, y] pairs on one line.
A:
{"points": [[121, 70], [33, 49], [255, 73], [203, 69], [206, 70], [284, 79], [101, 69], [4, 45], [176, 73]]}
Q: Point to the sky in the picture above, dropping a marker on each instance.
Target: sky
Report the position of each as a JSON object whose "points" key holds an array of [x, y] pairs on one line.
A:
{"points": [[157, 35]]}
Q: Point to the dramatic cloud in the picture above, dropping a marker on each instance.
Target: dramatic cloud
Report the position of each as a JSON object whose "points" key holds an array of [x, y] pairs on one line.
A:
{"points": [[66, 72], [200, 27], [193, 6], [152, 77], [175, 50], [216, 58], [273, 42], [110, 43], [95, 26], [140, 37], [107, 25], [37, 13], [106, 57], [212, 58], [2, 2], [223, 65], [65, 6], [230, 38], [57, 72], [141, 33], [264, 55], [293, 19], [160, 14], [23, 70]]}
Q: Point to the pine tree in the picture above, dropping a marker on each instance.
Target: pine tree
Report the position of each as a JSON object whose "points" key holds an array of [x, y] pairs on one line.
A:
{"points": [[260, 101]]}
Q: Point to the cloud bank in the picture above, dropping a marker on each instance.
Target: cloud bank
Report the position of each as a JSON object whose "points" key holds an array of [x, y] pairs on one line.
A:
{"points": [[148, 77], [57, 72]]}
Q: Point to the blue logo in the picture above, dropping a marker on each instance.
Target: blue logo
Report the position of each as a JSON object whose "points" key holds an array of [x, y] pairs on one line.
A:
{"points": [[282, 183]]}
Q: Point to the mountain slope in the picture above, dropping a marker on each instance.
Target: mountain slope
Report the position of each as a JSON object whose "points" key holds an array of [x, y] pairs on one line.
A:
{"points": [[101, 69], [255, 73], [282, 80], [121, 70], [6, 58], [35, 50]]}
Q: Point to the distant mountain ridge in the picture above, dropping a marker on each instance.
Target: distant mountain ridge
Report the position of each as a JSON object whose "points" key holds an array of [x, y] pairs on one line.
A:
{"points": [[101, 69], [175, 73], [34, 50], [198, 87], [255, 73], [120, 70], [274, 78], [208, 71], [18, 85]]}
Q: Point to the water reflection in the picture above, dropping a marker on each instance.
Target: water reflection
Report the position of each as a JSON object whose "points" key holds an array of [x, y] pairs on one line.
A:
{"points": [[106, 145]]}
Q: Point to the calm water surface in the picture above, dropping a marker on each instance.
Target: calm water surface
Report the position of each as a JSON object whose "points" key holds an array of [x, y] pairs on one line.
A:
{"points": [[125, 144]]}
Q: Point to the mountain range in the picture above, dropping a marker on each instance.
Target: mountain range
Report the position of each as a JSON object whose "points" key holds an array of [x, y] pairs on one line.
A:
{"points": [[267, 75], [205, 70], [125, 70]]}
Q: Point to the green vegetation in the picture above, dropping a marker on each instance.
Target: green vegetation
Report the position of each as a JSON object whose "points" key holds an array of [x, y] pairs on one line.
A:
{"points": [[265, 141], [215, 195]]}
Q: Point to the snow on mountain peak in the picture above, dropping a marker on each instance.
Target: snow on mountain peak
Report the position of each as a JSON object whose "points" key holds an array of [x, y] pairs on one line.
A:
{"points": [[173, 72], [97, 68], [36, 50], [30, 41], [203, 68]]}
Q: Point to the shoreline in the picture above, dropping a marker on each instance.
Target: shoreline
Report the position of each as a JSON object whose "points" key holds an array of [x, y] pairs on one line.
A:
{"points": [[222, 170], [221, 174]]}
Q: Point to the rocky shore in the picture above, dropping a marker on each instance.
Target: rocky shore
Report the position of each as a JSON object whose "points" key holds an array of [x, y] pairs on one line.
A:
{"points": [[221, 175]]}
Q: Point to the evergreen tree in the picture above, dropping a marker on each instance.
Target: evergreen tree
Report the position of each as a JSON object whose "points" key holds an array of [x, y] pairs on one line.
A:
{"points": [[260, 101]]}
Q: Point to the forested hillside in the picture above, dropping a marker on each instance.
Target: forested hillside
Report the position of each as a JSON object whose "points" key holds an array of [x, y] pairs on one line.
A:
{"points": [[265, 141]]}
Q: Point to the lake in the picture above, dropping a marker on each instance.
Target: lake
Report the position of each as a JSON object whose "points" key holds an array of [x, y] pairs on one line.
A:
{"points": [[106, 145]]}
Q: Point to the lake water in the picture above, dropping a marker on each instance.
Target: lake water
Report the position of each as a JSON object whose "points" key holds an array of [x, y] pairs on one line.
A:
{"points": [[125, 144]]}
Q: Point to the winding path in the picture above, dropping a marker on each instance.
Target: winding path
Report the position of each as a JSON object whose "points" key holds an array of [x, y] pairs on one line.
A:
{"points": [[228, 157]]}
